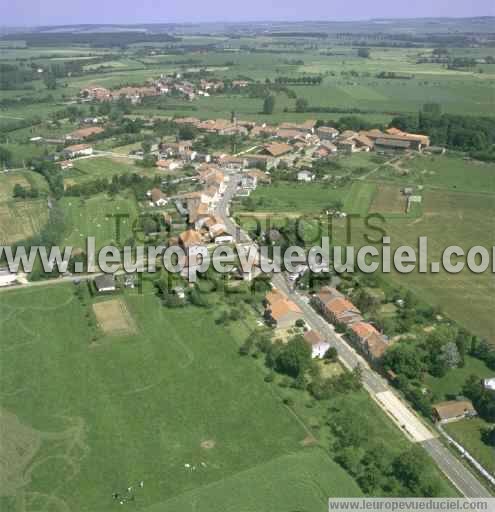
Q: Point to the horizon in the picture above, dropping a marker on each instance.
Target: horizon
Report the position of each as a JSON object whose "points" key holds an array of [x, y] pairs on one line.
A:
{"points": [[30, 14]]}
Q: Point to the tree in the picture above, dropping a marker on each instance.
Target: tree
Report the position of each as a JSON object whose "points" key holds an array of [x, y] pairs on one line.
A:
{"points": [[295, 357], [364, 53], [269, 105], [50, 81], [301, 105], [331, 354], [404, 359], [5, 156], [146, 146], [488, 437]]}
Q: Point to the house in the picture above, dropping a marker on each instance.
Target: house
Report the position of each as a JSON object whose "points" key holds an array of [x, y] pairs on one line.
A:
{"points": [[66, 164], [78, 150], [261, 176], [105, 283], [397, 140], [384, 144], [96, 93], [489, 384], [158, 198], [326, 149], [84, 133], [277, 149], [453, 410], [265, 162], [291, 134], [369, 341], [306, 176], [223, 238], [249, 181], [335, 307], [179, 291], [346, 146], [325, 295], [280, 310], [317, 343], [363, 142], [190, 240], [327, 133], [232, 163], [168, 165]]}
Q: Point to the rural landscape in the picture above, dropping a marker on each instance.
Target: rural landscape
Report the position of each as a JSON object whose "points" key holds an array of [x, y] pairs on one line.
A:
{"points": [[247, 391]]}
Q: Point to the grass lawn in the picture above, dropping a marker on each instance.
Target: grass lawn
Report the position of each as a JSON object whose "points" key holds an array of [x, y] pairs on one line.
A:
{"points": [[468, 433], [454, 173], [100, 413], [297, 197], [452, 383], [90, 217], [100, 167]]}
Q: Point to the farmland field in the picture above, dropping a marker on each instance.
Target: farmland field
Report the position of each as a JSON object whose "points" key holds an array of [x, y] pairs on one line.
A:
{"points": [[93, 217], [101, 413], [19, 220], [98, 168]]}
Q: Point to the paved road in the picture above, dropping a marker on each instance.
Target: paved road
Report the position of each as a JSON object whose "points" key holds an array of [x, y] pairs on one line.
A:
{"points": [[374, 383]]}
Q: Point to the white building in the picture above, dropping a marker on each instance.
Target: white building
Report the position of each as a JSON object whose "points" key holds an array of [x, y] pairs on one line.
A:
{"points": [[318, 345], [306, 176]]}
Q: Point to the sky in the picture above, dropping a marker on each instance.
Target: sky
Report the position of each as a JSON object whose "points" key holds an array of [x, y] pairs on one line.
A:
{"points": [[59, 12]]}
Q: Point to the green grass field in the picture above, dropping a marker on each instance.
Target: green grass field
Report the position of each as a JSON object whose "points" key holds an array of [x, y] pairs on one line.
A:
{"points": [[99, 167], [92, 217], [297, 197], [468, 433], [100, 413]]}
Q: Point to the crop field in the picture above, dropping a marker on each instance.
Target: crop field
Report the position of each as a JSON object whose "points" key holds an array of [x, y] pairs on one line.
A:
{"points": [[180, 412], [448, 218], [388, 199], [96, 217], [25, 178], [20, 220]]}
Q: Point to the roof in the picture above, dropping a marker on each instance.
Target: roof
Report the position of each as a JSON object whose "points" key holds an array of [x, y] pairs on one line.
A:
{"points": [[313, 337], [189, 238], [363, 330], [339, 306], [393, 143], [105, 281], [77, 147], [327, 293], [376, 345], [157, 194], [453, 409], [395, 132], [278, 149], [489, 383], [327, 129], [280, 305], [364, 140], [86, 132]]}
